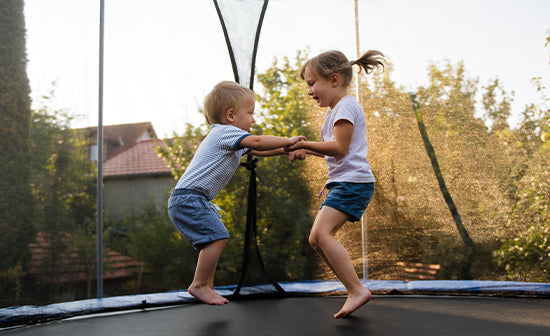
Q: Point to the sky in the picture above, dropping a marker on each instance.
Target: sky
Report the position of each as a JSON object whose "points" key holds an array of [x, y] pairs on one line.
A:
{"points": [[162, 57]]}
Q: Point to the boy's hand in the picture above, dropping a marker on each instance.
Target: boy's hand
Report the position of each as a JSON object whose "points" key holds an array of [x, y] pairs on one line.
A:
{"points": [[297, 155], [295, 146], [295, 139]]}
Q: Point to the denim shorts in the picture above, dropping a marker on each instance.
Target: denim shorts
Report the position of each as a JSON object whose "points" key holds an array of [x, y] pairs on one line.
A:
{"points": [[350, 198], [195, 218]]}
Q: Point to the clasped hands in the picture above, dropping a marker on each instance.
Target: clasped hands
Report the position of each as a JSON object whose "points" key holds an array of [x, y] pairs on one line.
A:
{"points": [[295, 153]]}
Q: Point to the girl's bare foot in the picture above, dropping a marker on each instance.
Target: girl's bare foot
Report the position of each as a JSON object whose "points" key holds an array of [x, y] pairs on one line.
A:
{"points": [[207, 295], [353, 302]]}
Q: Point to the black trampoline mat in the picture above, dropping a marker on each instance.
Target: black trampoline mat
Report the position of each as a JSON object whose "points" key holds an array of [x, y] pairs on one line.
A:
{"points": [[384, 315]]}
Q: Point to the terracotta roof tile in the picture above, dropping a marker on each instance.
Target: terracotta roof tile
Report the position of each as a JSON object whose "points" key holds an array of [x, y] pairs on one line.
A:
{"points": [[128, 133], [140, 159], [121, 136], [119, 265]]}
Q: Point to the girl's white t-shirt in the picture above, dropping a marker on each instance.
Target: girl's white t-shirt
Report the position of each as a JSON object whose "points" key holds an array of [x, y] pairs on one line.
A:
{"points": [[353, 166]]}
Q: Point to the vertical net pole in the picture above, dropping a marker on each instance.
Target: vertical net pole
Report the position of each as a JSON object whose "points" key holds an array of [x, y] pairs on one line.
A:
{"points": [[357, 54], [359, 97], [99, 234]]}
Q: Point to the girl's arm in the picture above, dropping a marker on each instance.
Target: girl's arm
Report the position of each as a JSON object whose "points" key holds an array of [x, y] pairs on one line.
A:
{"points": [[310, 152], [343, 132]]}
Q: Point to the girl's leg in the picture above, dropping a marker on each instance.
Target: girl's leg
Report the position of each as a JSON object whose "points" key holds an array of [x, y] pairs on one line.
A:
{"points": [[322, 239], [202, 286]]}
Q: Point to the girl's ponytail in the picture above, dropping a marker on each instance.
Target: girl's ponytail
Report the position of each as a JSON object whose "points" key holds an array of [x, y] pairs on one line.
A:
{"points": [[370, 61]]}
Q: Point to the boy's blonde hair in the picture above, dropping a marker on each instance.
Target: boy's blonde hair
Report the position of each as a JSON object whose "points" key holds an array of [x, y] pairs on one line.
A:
{"points": [[335, 61], [224, 96]]}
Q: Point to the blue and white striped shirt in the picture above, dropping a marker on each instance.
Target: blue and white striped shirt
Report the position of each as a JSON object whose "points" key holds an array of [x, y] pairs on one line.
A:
{"points": [[215, 161]]}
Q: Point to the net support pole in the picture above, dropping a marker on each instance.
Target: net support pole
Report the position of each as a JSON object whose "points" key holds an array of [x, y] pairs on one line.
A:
{"points": [[99, 232], [357, 54], [359, 97]]}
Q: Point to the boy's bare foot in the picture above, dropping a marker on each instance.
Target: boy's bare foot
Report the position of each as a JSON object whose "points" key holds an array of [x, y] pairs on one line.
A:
{"points": [[224, 299], [353, 302], [207, 295]]}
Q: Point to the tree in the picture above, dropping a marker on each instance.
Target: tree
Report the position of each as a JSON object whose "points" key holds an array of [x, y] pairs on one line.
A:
{"points": [[526, 255], [469, 244], [407, 219], [16, 206], [497, 113], [63, 185], [285, 195]]}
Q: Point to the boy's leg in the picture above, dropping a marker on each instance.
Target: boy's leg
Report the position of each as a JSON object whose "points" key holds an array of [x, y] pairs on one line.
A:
{"points": [[202, 286], [322, 239]]}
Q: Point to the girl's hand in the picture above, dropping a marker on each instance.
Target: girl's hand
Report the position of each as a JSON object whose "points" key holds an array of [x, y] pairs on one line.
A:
{"points": [[293, 147]]}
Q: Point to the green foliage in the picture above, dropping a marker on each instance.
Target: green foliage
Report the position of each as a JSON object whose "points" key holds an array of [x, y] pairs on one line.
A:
{"points": [[285, 197], [469, 244], [16, 206], [14, 275], [169, 259], [179, 150], [63, 185], [496, 112], [495, 174], [284, 104], [527, 257], [63, 177]]}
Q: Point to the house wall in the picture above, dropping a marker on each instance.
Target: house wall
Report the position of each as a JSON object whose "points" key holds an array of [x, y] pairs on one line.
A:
{"points": [[120, 195]]}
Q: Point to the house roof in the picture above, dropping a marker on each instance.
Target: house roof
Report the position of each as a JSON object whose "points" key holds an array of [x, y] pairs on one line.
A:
{"points": [[128, 133], [139, 159], [118, 265], [121, 136]]}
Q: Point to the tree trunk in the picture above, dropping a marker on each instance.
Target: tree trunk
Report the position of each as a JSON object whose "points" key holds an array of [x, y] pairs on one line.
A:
{"points": [[468, 242]]}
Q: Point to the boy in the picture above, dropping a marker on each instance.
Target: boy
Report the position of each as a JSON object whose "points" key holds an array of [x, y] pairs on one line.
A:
{"points": [[228, 109]]}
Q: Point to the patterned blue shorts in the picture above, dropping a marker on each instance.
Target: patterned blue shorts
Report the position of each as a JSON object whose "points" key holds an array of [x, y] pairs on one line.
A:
{"points": [[195, 218], [350, 198]]}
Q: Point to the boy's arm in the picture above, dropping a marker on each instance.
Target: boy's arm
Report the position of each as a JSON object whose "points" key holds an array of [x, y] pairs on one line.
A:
{"points": [[264, 143], [269, 145], [299, 154], [271, 152]]}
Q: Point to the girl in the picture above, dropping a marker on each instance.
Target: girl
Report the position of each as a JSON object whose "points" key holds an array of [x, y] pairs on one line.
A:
{"points": [[344, 147]]}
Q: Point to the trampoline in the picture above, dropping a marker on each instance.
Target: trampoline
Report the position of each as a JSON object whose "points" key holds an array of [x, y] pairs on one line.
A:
{"points": [[397, 308], [298, 308], [384, 315]]}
